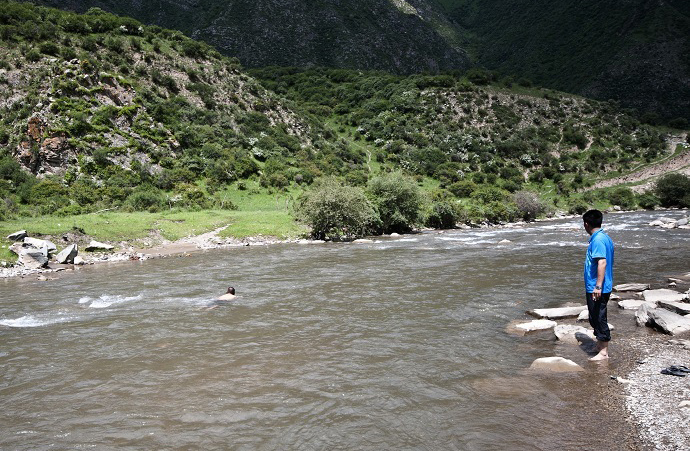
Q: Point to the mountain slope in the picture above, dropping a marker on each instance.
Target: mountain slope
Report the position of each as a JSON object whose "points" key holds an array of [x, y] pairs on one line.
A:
{"points": [[634, 51], [389, 35]]}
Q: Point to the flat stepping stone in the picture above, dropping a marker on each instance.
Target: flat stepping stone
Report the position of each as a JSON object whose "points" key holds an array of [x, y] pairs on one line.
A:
{"points": [[555, 364], [634, 304], [536, 325], [632, 287], [557, 313], [663, 294], [682, 308]]}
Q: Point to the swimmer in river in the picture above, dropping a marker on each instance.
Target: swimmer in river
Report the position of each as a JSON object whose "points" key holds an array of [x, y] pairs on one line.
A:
{"points": [[223, 299]]}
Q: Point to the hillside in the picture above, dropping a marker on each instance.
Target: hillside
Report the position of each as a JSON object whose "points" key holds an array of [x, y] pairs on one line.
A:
{"points": [[388, 35], [100, 112], [634, 51]]}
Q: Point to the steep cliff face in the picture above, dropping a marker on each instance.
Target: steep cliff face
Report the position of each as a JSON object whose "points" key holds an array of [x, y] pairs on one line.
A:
{"points": [[391, 35]]}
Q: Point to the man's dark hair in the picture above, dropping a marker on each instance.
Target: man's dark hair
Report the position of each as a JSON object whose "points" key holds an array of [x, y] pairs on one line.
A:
{"points": [[594, 218], [231, 290]]}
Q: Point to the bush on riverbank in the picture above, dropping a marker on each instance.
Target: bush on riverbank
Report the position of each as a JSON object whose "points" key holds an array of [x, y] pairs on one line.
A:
{"points": [[673, 190], [337, 211], [398, 201]]}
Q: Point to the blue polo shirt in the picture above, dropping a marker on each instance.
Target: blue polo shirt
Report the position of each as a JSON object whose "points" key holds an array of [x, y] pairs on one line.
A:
{"points": [[600, 246]]}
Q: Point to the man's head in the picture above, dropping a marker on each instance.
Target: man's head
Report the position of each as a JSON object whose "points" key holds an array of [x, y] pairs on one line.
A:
{"points": [[592, 220], [231, 290]]}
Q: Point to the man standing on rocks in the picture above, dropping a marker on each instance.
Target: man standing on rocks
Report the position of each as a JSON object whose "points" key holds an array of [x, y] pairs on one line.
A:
{"points": [[598, 279]]}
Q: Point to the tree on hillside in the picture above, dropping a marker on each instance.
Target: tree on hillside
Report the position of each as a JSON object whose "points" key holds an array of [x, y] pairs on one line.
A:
{"points": [[673, 190]]}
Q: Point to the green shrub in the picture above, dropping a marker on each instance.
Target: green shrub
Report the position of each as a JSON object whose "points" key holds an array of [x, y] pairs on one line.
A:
{"points": [[146, 198], [337, 211], [398, 200], [578, 207], [444, 215], [500, 211], [529, 205], [463, 188], [647, 201], [488, 194], [673, 190], [623, 197]]}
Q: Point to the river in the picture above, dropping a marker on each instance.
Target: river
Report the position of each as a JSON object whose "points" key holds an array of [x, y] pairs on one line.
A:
{"points": [[395, 344]]}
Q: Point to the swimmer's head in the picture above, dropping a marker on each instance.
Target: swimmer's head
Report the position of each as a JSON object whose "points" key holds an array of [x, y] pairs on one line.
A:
{"points": [[231, 290]]}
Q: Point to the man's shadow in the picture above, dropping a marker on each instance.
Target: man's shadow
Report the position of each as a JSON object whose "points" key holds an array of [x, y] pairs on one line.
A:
{"points": [[586, 343]]}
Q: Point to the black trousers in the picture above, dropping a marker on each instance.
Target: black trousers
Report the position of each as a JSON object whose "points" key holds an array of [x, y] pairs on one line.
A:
{"points": [[597, 316]]}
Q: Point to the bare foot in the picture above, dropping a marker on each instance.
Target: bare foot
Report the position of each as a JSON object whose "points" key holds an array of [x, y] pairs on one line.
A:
{"points": [[599, 357]]}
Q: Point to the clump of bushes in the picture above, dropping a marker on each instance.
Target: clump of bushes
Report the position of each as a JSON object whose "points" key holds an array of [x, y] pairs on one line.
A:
{"points": [[398, 200], [623, 197], [673, 190], [337, 211], [528, 205]]}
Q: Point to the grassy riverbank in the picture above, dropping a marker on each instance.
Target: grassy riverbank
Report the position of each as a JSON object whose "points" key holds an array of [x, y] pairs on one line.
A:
{"points": [[259, 212]]}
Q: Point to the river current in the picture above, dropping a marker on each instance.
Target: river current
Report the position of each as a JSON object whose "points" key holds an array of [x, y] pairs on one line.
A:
{"points": [[395, 344]]}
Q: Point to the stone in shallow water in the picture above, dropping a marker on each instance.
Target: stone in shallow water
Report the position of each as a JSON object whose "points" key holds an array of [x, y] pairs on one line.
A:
{"points": [[570, 334], [67, 254], [555, 364], [532, 326], [558, 313], [632, 287]]}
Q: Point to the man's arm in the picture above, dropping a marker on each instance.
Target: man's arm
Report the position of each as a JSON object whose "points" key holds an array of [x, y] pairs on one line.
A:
{"points": [[601, 273]]}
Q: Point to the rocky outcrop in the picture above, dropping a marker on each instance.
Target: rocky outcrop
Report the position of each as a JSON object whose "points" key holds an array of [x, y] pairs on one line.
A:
{"points": [[670, 223], [555, 364], [558, 313]]}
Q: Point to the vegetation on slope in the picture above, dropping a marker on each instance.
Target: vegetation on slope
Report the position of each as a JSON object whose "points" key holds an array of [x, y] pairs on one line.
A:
{"points": [[99, 112]]}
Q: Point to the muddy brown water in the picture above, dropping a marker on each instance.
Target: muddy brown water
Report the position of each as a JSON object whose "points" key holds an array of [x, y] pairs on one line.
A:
{"points": [[396, 344]]}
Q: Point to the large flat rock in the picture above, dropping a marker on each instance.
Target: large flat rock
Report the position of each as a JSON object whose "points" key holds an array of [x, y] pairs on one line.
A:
{"points": [[536, 325], [682, 308], [668, 322], [632, 287], [557, 313], [555, 364], [634, 304], [663, 294]]}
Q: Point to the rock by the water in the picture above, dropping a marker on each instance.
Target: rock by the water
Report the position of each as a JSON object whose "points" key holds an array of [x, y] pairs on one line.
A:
{"points": [[67, 254], [634, 304], [17, 236], [642, 315], [632, 287], [79, 261], [569, 333], [504, 242], [33, 259], [584, 316], [532, 326], [663, 294], [557, 313], [668, 321], [556, 364], [682, 308], [41, 244], [682, 222], [394, 234], [96, 245]]}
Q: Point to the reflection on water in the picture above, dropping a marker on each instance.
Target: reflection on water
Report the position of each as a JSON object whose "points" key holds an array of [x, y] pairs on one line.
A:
{"points": [[395, 344]]}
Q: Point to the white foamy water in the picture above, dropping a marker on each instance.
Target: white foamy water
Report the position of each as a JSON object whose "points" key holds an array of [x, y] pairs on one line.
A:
{"points": [[33, 321], [106, 300]]}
